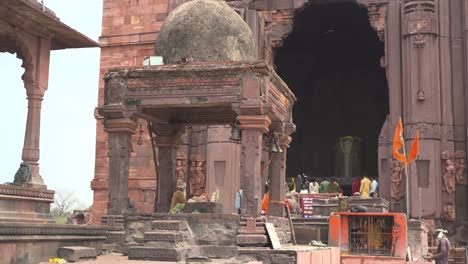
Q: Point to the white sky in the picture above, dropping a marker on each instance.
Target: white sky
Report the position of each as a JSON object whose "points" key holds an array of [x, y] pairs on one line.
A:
{"points": [[67, 145]]}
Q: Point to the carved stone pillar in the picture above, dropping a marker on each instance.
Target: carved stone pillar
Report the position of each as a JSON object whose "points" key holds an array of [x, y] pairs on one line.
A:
{"points": [[120, 146], [423, 100], [278, 177], [32, 136], [35, 78], [253, 127], [166, 141]]}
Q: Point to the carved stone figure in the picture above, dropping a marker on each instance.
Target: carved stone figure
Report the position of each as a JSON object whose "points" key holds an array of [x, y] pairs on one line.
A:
{"points": [[181, 169], [448, 213], [197, 176], [448, 177], [23, 175], [460, 166], [396, 180]]}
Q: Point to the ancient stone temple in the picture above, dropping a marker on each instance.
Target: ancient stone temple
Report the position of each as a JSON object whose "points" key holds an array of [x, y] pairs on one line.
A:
{"points": [[355, 66]]}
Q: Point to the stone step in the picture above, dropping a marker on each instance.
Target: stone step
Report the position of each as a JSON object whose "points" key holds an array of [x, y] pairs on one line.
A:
{"points": [[169, 225], [218, 252], [245, 240], [74, 254], [153, 253], [169, 236], [161, 244], [115, 237]]}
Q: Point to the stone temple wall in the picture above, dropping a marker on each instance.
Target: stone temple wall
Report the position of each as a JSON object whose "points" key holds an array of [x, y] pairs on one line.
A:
{"points": [[129, 30]]}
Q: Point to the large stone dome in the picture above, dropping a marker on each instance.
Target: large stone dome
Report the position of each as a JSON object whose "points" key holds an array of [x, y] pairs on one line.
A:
{"points": [[205, 30]]}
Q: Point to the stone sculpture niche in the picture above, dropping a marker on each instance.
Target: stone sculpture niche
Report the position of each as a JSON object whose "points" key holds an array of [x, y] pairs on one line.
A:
{"points": [[197, 176], [460, 166], [449, 174], [396, 180], [181, 169], [448, 213]]}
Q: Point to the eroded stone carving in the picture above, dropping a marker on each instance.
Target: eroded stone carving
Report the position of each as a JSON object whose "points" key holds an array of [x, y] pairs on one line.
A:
{"points": [[197, 176], [460, 166], [448, 213], [377, 14], [396, 179], [181, 169], [448, 177], [23, 175], [419, 17]]}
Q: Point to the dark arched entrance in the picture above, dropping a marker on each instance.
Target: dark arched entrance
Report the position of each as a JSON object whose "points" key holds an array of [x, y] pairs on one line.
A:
{"points": [[332, 62]]}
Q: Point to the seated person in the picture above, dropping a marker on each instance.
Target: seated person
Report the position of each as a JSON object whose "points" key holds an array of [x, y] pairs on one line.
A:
{"points": [[293, 205], [178, 197]]}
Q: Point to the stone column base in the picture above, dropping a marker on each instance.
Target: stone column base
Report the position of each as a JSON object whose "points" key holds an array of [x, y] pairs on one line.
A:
{"points": [[25, 204]]}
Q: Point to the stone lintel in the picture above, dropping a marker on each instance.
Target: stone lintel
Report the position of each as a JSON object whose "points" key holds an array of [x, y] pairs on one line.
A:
{"points": [[121, 125], [256, 122], [166, 142]]}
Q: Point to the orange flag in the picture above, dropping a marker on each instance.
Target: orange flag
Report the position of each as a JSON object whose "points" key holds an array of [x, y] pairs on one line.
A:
{"points": [[399, 143], [414, 151]]}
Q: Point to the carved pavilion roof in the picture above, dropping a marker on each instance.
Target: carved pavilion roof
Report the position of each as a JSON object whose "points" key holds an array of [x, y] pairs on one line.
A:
{"points": [[29, 16]]}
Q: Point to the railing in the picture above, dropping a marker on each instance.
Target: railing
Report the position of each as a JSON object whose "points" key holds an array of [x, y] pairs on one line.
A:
{"points": [[370, 235]]}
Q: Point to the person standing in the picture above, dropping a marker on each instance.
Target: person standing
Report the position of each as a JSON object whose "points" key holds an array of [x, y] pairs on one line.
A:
{"points": [[356, 185], [324, 186], [443, 247], [314, 186], [374, 189], [365, 187], [334, 186]]}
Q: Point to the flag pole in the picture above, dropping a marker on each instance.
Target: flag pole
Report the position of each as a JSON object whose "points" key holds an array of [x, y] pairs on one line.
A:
{"points": [[405, 165]]}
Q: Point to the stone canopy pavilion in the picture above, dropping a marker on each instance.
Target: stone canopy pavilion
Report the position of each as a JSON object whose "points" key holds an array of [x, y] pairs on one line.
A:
{"points": [[218, 85]]}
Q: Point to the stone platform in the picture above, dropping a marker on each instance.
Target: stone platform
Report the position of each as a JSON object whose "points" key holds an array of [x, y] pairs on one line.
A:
{"points": [[291, 254], [28, 243], [179, 237], [308, 229], [25, 204]]}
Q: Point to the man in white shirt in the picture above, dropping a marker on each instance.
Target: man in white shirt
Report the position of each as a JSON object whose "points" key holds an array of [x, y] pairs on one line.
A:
{"points": [[374, 190], [314, 186]]}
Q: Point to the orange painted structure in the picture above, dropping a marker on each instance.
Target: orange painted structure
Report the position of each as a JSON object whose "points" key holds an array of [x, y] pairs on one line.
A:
{"points": [[369, 234]]}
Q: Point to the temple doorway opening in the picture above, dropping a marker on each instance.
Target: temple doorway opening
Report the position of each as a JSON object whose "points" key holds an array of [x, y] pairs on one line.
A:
{"points": [[332, 60]]}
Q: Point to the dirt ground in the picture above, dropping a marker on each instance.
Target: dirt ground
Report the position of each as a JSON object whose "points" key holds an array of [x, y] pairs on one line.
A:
{"points": [[120, 259]]}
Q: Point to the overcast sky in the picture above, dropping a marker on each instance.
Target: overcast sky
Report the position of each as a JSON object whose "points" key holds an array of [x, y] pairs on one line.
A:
{"points": [[67, 145]]}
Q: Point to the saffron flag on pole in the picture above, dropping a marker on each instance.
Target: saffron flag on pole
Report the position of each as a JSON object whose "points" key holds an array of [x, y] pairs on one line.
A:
{"points": [[399, 143], [414, 151]]}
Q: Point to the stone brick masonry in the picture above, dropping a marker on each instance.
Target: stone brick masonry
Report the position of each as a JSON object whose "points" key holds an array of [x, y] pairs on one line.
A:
{"points": [[129, 30]]}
